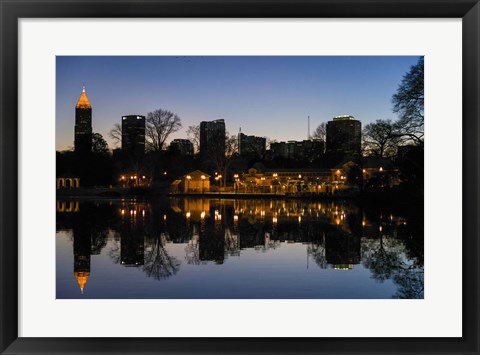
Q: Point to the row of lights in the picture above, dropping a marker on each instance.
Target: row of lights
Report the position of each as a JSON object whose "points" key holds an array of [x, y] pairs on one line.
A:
{"points": [[218, 217], [123, 177]]}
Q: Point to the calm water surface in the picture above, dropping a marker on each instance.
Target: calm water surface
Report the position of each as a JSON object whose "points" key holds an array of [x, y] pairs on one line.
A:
{"points": [[211, 248]]}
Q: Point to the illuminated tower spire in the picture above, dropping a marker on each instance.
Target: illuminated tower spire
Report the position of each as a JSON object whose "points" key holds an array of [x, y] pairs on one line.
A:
{"points": [[83, 124], [82, 278], [83, 100]]}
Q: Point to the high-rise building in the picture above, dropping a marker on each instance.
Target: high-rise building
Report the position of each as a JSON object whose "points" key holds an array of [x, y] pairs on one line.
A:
{"points": [[133, 135], [344, 139], [304, 150], [83, 124], [183, 146], [212, 138], [251, 145]]}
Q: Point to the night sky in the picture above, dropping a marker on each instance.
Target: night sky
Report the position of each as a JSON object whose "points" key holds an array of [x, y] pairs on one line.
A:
{"points": [[268, 96]]}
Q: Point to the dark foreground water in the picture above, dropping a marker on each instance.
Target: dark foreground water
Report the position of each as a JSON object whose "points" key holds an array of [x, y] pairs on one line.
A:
{"points": [[210, 248]]}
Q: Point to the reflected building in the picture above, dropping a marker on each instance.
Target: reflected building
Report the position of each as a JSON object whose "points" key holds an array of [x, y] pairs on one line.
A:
{"points": [[132, 230], [82, 246], [89, 230], [131, 249], [342, 250], [251, 235], [83, 125], [68, 206], [212, 239]]}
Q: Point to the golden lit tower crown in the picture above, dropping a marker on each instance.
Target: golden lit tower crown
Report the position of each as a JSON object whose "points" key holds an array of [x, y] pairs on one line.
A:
{"points": [[83, 125], [82, 278], [83, 100]]}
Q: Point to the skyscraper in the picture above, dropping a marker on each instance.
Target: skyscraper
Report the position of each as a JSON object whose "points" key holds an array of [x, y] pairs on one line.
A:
{"points": [[251, 145], [212, 138], [133, 135], [344, 139], [307, 149], [83, 124], [182, 146]]}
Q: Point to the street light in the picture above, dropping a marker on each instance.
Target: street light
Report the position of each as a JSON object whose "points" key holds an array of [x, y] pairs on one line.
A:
{"points": [[203, 185], [188, 183]]}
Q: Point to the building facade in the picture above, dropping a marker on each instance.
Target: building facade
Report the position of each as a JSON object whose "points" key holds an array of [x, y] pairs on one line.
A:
{"points": [[133, 135], [183, 146], [303, 150], [344, 140], [212, 138], [83, 125], [260, 180], [194, 182], [251, 145]]}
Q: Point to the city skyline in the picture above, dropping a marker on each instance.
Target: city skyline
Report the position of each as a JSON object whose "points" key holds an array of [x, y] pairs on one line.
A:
{"points": [[262, 95]]}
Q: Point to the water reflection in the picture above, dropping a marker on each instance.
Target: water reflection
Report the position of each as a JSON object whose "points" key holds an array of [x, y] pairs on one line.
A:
{"points": [[384, 245]]}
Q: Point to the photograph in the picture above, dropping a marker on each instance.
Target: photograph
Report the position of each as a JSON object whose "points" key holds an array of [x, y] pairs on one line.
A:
{"points": [[239, 177], [262, 167]]}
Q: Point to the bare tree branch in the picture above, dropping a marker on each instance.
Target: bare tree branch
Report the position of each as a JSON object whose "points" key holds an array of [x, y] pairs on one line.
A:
{"points": [[320, 132], [160, 124], [221, 159], [408, 103], [115, 134], [380, 138], [193, 133]]}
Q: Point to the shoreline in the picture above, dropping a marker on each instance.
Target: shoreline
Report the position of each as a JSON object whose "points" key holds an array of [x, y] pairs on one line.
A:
{"points": [[389, 197]]}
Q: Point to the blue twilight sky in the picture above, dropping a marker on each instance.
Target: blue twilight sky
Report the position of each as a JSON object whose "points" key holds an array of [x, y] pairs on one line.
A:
{"points": [[269, 96]]}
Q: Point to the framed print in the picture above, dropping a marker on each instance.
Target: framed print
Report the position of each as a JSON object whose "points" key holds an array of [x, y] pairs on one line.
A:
{"points": [[203, 177]]}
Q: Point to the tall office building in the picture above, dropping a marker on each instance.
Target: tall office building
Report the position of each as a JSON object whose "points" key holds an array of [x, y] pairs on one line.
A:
{"points": [[182, 146], [251, 145], [344, 139], [212, 138], [133, 135], [83, 124], [307, 149]]}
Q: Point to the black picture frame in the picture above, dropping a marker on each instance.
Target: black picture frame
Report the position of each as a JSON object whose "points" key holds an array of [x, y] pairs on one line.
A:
{"points": [[11, 11]]}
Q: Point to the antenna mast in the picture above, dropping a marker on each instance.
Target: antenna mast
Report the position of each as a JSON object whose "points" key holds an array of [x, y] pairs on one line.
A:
{"points": [[308, 133]]}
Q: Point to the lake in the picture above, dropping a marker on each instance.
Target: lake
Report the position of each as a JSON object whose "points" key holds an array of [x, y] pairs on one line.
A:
{"points": [[207, 248]]}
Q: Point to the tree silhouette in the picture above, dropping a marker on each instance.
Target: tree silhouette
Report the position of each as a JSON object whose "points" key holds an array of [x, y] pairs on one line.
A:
{"points": [[160, 124], [193, 133], [157, 263], [99, 145], [318, 252], [380, 138], [408, 104], [221, 159], [115, 134], [388, 260], [320, 132]]}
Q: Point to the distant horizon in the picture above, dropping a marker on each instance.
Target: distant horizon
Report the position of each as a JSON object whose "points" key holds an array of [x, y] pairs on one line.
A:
{"points": [[264, 96]]}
